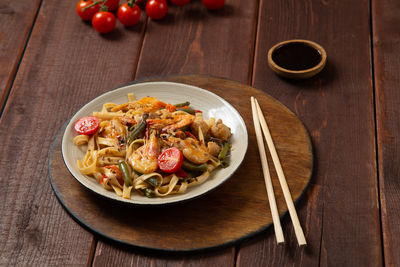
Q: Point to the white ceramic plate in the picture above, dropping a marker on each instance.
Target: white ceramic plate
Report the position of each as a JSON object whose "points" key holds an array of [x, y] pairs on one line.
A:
{"points": [[211, 105]]}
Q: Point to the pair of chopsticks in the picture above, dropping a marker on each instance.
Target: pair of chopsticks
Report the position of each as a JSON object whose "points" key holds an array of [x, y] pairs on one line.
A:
{"points": [[258, 119]]}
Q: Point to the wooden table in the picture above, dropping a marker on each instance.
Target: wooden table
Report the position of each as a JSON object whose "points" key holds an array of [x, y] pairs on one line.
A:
{"points": [[51, 63]]}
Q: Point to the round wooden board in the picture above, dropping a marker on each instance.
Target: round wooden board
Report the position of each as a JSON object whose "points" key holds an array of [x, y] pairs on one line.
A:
{"points": [[236, 210]]}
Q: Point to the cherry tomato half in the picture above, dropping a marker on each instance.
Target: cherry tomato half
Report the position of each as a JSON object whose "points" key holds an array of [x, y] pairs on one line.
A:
{"points": [[129, 16], [88, 13], [87, 125], [104, 21], [156, 9], [112, 4], [180, 2], [170, 160], [213, 4]]}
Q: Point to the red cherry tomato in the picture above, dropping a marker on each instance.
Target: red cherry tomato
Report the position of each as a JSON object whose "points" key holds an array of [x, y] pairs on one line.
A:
{"points": [[180, 2], [112, 4], [156, 9], [88, 13], [87, 125], [104, 21], [129, 16], [170, 160], [213, 4]]}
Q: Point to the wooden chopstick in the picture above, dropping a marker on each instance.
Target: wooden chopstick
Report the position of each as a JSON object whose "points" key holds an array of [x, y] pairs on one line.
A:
{"points": [[281, 176], [267, 177]]}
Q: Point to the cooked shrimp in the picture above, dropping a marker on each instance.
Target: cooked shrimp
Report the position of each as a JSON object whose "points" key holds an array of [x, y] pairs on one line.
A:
{"points": [[199, 123], [150, 104], [144, 159], [191, 149], [213, 148], [146, 104], [172, 123], [115, 130], [221, 131], [125, 120]]}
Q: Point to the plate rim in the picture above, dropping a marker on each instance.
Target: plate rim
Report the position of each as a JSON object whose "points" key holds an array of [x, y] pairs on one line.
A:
{"points": [[170, 201]]}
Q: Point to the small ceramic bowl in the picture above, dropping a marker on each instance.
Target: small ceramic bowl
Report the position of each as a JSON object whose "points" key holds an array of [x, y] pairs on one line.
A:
{"points": [[297, 59]]}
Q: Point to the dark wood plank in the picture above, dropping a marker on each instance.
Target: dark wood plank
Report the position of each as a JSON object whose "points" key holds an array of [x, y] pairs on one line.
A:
{"points": [[66, 63], [122, 257], [16, 20], [340, 213], [194, 40], [387, 67]]}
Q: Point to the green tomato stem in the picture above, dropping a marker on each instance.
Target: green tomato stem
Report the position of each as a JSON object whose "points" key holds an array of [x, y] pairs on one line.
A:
{"points": [[103, 8], [93, 4], [131, 3]]}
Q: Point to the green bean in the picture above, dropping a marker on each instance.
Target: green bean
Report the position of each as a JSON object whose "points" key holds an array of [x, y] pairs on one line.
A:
{"points": [[223, 154], [148, 192], [138, 129], [184, 104], [192, 174], [224, 151], [152, 181], [187, 110], [123, 167], [138, 173], [187, 166]]}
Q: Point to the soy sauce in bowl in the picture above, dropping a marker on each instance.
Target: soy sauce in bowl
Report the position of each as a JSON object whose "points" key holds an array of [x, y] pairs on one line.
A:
{"points": [[297, 59]]}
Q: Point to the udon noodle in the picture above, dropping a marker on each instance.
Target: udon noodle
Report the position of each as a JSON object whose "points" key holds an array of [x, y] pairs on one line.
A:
{"points": [[152, 148]]}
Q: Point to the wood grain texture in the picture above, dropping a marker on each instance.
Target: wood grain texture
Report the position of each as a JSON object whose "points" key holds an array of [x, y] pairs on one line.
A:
{"points": [[66, 63], [114, 256], [386, 44], [16, 20], [229, 213], [340, 214], [192, 39]]}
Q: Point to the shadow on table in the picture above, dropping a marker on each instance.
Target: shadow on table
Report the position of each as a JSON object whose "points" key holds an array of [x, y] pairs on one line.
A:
{"points": [[325, 77]]}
